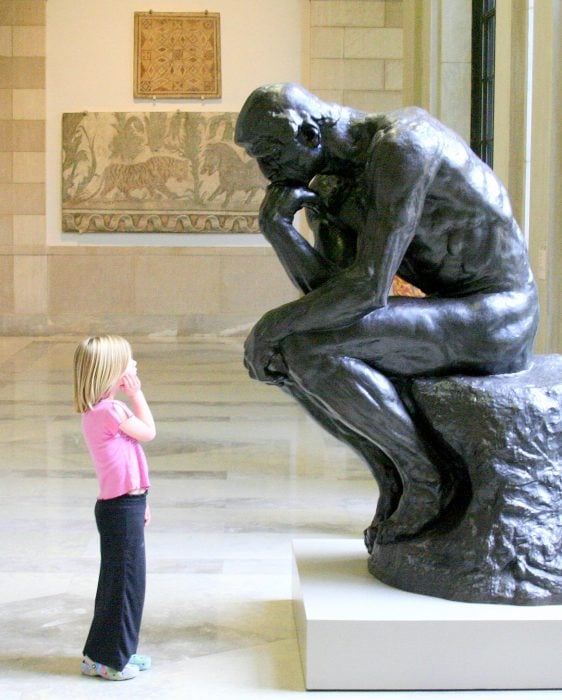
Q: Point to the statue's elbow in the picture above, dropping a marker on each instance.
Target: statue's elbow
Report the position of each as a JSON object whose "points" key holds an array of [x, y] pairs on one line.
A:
{"points": [[367, 289], [379, 300]]}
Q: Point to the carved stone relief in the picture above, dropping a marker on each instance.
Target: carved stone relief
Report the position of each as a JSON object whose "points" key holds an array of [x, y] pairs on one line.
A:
{"points": [[167, 172]]}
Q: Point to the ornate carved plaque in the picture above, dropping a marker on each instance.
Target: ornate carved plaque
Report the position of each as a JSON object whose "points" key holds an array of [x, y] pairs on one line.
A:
{"points": [[157, 172], [177, 54]]}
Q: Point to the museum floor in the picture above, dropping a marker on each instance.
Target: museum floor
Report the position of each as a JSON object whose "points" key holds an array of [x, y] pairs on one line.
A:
{"points": [[238, 472]]}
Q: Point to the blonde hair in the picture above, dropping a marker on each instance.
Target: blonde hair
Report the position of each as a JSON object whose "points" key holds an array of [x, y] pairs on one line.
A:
{"points": [[99, 362]]}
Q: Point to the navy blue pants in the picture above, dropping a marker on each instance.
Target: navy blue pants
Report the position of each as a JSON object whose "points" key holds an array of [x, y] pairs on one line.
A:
{"points": [[114, 633]]}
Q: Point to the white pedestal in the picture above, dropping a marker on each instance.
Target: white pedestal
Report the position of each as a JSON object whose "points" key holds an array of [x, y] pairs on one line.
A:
{"points": [[356, 633]]}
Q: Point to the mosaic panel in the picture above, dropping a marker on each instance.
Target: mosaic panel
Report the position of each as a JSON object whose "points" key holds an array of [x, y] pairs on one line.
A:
{"points": [[177, 55], [158, 172]]}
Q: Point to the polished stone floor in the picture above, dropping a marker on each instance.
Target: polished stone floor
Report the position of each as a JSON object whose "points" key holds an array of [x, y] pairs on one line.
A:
{"points": [[238, 472]]}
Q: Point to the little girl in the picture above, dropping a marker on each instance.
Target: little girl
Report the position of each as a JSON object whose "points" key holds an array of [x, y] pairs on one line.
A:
{"points": [[102, 366]]}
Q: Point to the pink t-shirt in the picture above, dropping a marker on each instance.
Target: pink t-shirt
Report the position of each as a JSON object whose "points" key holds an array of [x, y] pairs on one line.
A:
{"points": [[119, 460]]}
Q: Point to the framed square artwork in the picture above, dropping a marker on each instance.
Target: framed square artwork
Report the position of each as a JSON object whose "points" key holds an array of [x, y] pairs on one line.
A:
{"points": [[177, 55]]}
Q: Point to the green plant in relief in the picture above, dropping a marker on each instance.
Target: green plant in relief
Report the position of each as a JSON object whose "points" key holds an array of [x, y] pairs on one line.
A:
{"points": [[129, 139], [75, 152], [185, 137], [155, 127]]}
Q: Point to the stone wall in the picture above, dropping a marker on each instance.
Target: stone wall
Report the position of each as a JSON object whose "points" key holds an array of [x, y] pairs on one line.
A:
{"points": [[22, 156], [356, 52]]}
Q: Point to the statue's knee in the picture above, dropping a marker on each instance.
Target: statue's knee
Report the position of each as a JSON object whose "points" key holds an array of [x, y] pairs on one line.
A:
{"points": [[300, 355], [306, 361], [293, 351]]}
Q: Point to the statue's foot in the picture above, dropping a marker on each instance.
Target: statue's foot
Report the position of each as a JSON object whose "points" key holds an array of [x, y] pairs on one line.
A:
{"points": [[370, 536], [385, 507], [419, 508], [396, 531], [389, 499]]}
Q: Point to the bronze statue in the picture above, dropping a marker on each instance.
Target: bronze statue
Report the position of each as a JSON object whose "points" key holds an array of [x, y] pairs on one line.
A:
{"points": [[385, 194]]}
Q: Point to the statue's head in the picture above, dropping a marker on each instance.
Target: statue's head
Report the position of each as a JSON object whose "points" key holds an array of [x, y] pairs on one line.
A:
{"points": [[281, 127]]}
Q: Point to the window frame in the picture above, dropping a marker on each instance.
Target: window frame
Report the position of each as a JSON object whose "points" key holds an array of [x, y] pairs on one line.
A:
{"points": [[483, 79]]}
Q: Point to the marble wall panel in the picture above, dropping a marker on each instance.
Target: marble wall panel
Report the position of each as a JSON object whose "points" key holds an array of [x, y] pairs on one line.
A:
{"points": [[6, 284], [28, 72], [253, 284], [332, 95], [358, 13], [456, 40], [327, 42], [30, 281], [28, 41], [171, 292], [28, 103], [5, 104], [28, 198], [6, 72], [91, 284], [5, 167], [29, 12], [363, 74], [455, 108], [29, 229], [326, 74], [6, 229], [6, 135], [393, 13], [29, 166], [5, 41], [393, 75], [6, 13], [368, 42], [368, 75], [169, 284], [373, 100], [6, 140], [6, 198], [28, 134]]}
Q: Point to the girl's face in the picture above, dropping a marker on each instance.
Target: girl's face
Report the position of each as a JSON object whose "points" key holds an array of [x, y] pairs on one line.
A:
{"points": [[131, 367]]}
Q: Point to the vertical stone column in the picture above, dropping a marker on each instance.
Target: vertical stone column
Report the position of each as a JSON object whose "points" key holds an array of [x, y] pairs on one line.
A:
{"points": [[22, 159]]}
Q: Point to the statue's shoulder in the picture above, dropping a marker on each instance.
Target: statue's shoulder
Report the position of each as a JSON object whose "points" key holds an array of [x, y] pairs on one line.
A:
{"points": [[410, 113], [409, 128], [413, 120]]}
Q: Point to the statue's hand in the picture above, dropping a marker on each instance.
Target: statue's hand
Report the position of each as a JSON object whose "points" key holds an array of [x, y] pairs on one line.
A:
{"points": [[285, 201], [261, 357]]}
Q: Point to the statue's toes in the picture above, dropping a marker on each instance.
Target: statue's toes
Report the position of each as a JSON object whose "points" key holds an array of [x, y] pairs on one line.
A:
{"points": [[370, 537], [408, 521], [389, 532]]}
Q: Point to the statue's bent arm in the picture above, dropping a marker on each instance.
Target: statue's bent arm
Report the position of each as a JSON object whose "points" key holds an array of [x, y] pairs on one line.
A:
{"points": [[401, 172], [305, 266]]}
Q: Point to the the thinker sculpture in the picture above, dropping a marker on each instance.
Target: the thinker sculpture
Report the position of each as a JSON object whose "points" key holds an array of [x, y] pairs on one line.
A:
{"points": [[385, 194]]}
